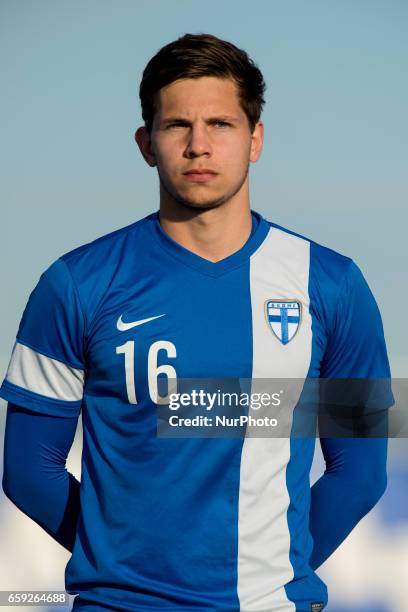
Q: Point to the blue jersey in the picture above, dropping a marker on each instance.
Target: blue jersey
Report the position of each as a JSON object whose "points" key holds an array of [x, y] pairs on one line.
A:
{"points": [[190, 523]]}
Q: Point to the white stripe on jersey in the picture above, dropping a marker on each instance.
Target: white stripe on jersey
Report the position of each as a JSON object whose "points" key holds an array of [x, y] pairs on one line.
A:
{"points": [[36, 372], [279, 270]]}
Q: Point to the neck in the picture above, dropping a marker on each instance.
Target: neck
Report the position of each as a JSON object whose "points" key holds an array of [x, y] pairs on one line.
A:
{"points": [[214, 233]]}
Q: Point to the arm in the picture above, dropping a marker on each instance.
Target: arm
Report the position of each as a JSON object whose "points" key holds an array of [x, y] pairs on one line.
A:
{"points": [[356, 398], [44, 388], [35, 477], [354, 480]]}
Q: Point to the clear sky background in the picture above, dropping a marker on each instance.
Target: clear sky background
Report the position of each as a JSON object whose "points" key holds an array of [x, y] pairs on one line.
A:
{"points": [[334, 168]]}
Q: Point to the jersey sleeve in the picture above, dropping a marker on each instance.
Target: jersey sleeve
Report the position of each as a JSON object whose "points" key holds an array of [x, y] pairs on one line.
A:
{"points": [[356, 354], [47, 365]]}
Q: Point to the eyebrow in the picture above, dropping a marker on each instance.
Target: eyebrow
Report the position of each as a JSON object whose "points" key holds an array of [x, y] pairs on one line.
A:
{"points": [[177, 119]]}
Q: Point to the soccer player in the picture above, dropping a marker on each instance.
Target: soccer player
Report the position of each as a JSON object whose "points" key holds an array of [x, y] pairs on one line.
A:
{"points": [[203, 288]]}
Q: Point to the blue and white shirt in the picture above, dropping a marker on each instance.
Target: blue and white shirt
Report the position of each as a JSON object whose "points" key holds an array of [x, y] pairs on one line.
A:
{"points": [[191, 523]]}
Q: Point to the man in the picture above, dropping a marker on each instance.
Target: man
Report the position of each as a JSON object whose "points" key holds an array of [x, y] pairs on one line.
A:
{"points": [[204, 288]]}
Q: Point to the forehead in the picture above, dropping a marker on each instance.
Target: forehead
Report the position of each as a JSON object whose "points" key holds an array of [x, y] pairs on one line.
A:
{"points": [[205, 94]]}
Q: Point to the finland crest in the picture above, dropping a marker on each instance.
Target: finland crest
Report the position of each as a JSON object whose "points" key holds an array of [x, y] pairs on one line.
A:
{"points": [[283, 318]]}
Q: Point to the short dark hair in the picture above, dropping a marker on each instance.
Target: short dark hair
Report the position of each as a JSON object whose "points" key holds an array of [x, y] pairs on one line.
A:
{"points": [[198, 55]]}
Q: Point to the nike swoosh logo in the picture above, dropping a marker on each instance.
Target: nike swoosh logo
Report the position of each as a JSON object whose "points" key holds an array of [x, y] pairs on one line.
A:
{"points": [[122, 326]]}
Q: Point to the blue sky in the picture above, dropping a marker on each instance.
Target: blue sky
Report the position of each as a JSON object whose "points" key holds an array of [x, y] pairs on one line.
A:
{"points": [[335, 156]]}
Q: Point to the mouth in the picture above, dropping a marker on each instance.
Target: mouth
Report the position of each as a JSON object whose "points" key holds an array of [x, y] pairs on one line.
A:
{"points": [[200, 176]]}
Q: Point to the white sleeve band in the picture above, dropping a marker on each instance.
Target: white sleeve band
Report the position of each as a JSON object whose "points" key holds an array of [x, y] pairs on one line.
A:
{"points": [[43, 375]]}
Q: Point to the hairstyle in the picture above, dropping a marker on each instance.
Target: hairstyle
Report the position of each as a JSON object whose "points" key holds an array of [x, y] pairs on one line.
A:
{"points": [[198, 55]]}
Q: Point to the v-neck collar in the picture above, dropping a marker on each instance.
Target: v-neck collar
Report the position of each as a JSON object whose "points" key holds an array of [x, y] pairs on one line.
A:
{"points": [[206, 266]]}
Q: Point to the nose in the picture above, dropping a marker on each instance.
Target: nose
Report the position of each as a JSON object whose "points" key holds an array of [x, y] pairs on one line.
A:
{"points": [[198, 142]]}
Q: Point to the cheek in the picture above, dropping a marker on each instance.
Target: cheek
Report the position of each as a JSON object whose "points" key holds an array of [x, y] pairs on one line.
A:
{"points": [[237, 149], [167, 158], [167, 150], [236, 158]]}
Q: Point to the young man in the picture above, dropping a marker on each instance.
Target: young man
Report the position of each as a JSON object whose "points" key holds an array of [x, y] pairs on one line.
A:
{"points": [[203, 288]]}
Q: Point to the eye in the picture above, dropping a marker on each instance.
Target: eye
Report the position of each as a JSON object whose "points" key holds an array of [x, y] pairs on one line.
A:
{"points": [[176, 124], [222, 124]]}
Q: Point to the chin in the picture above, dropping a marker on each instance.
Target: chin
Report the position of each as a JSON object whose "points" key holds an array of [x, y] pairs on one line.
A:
{"points": [[200, 203]]}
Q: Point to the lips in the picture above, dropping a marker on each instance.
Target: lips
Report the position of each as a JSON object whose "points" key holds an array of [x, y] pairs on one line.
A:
{"points": [[201, 175], [201, 171]]}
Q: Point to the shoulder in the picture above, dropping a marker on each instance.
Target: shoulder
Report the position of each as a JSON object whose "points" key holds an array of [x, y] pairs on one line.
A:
{"points": [[93, 264], [108, 245], [89, 270], [332, 276], [322, 260]]}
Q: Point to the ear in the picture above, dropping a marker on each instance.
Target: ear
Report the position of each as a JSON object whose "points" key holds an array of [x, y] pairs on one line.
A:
{"points": [[257, 139], [144, 143]]}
